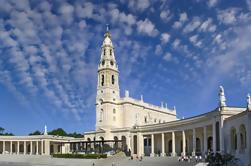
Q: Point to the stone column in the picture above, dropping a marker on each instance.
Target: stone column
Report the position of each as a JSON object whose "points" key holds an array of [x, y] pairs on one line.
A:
{"points": [[10, 147], [183, 143], [47, 147], [140, 143], [152, 146], [128, 142], [214, 137], [221, 135], [30, 147], [42, 147], [3, 147], [173, 144], [205, 139], [24, 147], [163, 144], [37, 148], [17, 147], [194, 143]]}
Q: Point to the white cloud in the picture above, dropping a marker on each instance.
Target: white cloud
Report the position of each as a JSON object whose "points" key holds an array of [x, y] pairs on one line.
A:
{"points": [[191, 26], [176, 43], [193, 38], [165, 15], [208, 26], [249, 4], [167, 57], [85, 10], [158, 50], [165, 37], [212, 3], [177, 25], [140, 5], [147, 27], [118, 16], [228, 16], [183, 18], [66, 9]]}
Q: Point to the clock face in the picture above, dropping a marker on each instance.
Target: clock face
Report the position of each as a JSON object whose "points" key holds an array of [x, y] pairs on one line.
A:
{"points": [[111, 63]]}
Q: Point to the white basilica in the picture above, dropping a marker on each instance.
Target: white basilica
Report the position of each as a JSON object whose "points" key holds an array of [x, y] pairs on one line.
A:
{"points": [[144, 129]]}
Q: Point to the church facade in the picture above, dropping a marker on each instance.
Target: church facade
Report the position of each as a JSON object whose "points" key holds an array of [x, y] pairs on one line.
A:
{"points": [[145, 129], [150, 130]]}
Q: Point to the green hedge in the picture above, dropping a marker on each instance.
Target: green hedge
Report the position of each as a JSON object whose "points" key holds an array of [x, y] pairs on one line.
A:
{"points": [[81, 156]]}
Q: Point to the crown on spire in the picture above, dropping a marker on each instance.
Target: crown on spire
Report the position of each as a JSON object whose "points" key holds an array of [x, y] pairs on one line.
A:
{"points": [[248, 102], [222, 98]]}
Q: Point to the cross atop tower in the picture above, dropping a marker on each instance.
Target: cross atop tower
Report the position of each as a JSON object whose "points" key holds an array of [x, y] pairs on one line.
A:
{"points": [[107, 27]]}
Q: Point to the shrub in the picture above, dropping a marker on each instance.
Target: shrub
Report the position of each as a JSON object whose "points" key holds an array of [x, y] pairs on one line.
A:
{"points": [[221, 160], [80, 156]]}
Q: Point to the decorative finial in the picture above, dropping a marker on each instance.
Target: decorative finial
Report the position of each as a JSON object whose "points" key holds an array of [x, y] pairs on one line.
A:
{"points": [[45, 130], [222, 102], [248, 102], [107, 27]]}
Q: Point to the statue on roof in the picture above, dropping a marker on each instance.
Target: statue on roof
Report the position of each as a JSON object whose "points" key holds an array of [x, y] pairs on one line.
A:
{"points": [[248, 102], [222, 98], [45, 130]]}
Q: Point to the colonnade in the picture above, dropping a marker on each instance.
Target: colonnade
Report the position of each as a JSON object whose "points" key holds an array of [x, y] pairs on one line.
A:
{"points": [[22, 147], [190, 141]]}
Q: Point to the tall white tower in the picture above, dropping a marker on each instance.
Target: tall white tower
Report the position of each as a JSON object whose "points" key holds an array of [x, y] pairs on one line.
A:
{"points": [[107, 86]]}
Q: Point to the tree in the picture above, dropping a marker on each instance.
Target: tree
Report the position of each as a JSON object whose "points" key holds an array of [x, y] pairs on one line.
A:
{"points": [[58, 131], [1, 130], [36, 133], [75, 135]]}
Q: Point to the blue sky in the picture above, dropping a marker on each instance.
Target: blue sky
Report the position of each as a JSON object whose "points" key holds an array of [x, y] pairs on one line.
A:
{"points": [[177, 52]]}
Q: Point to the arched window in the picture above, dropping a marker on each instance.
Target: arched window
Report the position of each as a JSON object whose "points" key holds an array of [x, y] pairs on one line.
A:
{"points": [[111, 52], [243, 137], [233, 139], [113, 80], [102, 80], [145, 119]]}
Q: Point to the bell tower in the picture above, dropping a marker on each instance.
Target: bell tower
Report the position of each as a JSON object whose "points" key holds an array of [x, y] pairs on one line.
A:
{"points": [[107, 86]]}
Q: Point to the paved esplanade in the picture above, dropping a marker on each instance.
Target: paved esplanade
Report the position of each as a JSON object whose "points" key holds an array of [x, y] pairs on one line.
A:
{"points": [[16, 160]]}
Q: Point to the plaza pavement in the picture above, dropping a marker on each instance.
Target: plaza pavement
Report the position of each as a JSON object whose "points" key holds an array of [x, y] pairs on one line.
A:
{"points": [[19, 160]]}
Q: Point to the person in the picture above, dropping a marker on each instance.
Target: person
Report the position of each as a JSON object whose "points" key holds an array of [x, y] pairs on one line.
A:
{"points": [[159, 153], [196, 158], [141, 158], [200, 158], [179, 159], [131, 157], [189, 159]]}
